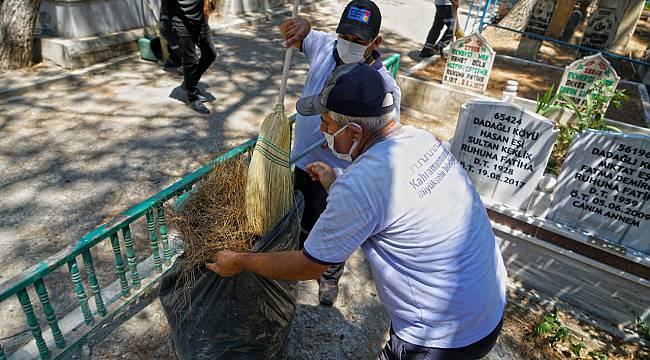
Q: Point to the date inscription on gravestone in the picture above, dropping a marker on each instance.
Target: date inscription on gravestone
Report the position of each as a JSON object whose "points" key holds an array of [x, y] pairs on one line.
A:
{"points": [[469, 63], [604, 188], [503, 148]]}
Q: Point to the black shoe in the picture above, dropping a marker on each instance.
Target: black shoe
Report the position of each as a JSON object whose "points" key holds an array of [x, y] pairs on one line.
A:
{"points": [[425, 53], [171, 63], [327, 292], [198, 106], [199, 96]]}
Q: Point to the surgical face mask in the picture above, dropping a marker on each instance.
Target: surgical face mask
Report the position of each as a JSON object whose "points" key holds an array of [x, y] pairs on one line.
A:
{"points": [[349, 52], [330, 144]]}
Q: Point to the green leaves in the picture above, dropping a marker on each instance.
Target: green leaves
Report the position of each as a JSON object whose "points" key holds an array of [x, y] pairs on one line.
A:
{"points": [[590, 115], [642, 328]]}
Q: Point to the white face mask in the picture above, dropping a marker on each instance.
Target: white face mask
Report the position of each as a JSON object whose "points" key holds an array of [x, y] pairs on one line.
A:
{"points": [[330, 144], [349, 52]]}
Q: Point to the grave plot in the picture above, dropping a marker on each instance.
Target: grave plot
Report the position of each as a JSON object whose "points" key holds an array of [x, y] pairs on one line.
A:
{"points": [[507, 43], [534, 80]]}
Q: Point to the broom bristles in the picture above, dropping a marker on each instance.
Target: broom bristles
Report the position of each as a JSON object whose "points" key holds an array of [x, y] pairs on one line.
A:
{"points": [[269, 190]]}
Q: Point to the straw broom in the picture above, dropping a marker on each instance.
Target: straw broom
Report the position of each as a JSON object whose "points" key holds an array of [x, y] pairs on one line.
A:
{"points": [[269, 190]]}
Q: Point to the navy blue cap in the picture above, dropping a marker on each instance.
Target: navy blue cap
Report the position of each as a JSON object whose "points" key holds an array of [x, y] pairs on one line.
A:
{"points": [[352, 90]]}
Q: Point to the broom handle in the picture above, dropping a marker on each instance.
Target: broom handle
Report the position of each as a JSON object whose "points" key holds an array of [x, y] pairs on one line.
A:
{"points": [[309, 149], [287, 59]]}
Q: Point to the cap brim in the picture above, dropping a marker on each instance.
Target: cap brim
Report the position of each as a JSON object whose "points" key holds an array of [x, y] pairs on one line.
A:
{"points": [[310, 105], [353, 29]]}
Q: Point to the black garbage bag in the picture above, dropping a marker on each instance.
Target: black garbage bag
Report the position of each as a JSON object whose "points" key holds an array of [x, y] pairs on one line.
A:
{"points": [[244, 316]]}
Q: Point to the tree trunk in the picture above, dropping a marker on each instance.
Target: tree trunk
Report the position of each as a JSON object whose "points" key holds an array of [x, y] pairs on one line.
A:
{"points": [[516, 18], [17, 23]]}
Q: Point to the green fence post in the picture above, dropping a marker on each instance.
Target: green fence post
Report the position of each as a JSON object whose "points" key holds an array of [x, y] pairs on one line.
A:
{"points": [[92, 280], [130, 257], [80, 290], [41, 290], [163, 235], [32, 322], [119, 265], [153, 241]]}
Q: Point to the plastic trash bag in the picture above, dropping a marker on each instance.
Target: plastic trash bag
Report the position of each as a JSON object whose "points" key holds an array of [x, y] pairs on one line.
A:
{"points": [[244, 316]]}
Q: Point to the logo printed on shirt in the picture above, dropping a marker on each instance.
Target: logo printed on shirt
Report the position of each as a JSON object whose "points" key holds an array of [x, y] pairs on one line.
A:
{"points": [[359, 14]]}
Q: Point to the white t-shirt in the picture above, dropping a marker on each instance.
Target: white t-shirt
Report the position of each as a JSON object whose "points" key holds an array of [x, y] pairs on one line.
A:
{"points": [[318, 47], [425, 232]]}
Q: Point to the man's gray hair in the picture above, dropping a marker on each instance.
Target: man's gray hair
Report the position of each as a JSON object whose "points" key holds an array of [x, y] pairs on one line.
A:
{"points": [[370, 123]]}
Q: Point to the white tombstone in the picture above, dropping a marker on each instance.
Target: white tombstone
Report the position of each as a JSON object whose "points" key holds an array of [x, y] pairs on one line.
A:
{"points": [[469, 63], [580, 76], [504, 149], [604, 188]]}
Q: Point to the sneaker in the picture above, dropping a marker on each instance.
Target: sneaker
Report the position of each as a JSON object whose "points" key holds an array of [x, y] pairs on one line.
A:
{"points": [[425, 53], [327, 292], [198, 106], [199, 96]]}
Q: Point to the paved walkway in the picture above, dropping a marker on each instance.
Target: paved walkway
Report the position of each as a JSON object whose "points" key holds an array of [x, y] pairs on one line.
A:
{"points": [[77, 152]]}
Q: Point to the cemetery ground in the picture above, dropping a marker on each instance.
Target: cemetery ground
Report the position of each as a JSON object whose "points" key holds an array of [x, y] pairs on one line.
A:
{"points": [[78, 152], [534, 80], [506, 42]]}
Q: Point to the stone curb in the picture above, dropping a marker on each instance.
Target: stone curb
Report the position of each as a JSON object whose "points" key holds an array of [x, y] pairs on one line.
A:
{"points": [[250, 19]]}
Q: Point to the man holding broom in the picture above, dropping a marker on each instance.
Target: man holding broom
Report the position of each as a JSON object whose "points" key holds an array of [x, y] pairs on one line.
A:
{"points": [[356, 41], [410, 206]]}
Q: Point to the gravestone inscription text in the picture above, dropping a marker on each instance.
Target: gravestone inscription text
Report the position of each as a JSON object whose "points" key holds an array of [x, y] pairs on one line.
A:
{"points": [[604, 188], [469, 63], [503, 148]]}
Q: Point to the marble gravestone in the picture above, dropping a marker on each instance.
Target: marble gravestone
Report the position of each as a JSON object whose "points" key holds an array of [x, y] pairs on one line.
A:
{"points": [[600, 27], [538, 23], [604, 188], [469, 63], [504, 149], [580, 76]]}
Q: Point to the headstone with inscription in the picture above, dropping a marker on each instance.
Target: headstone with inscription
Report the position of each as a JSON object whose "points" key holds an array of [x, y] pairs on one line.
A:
{"points": [[469, 63], [538, 22], [604, 188], [580, 76], [504, 149], [600, 28]]}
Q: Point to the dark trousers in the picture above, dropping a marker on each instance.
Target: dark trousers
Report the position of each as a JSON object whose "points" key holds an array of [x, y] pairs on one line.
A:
{"points": [[315, 202], [167, 32], [189, 37], [398, 349], [444, 17]]}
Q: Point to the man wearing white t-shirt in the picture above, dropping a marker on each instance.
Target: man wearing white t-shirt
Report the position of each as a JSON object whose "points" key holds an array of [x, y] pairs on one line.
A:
{"points": [[356, 41], [410, 206]]}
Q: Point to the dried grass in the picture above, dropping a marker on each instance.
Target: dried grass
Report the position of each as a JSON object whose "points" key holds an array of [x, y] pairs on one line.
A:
{"points": [[213, 218]]}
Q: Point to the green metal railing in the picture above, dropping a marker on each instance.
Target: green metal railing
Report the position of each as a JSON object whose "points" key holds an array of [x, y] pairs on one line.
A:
{"points": [[152, 210]]}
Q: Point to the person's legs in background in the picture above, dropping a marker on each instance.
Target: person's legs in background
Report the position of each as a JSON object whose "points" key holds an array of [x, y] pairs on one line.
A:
{"points": [[440, 20], [192, 70], [448, 35], [167, 32], [315, 203]]}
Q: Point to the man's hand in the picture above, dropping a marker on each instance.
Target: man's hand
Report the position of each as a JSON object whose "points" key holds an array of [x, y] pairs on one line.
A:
{"points": [[319, 171], [455, 3], [295, 31], [226, 263]]}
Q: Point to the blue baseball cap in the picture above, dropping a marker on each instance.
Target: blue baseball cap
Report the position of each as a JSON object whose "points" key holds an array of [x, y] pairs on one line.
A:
{"points": [[352, 90]]}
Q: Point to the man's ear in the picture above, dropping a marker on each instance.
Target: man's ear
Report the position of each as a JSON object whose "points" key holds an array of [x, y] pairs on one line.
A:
{"points": [[356, 131]]}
